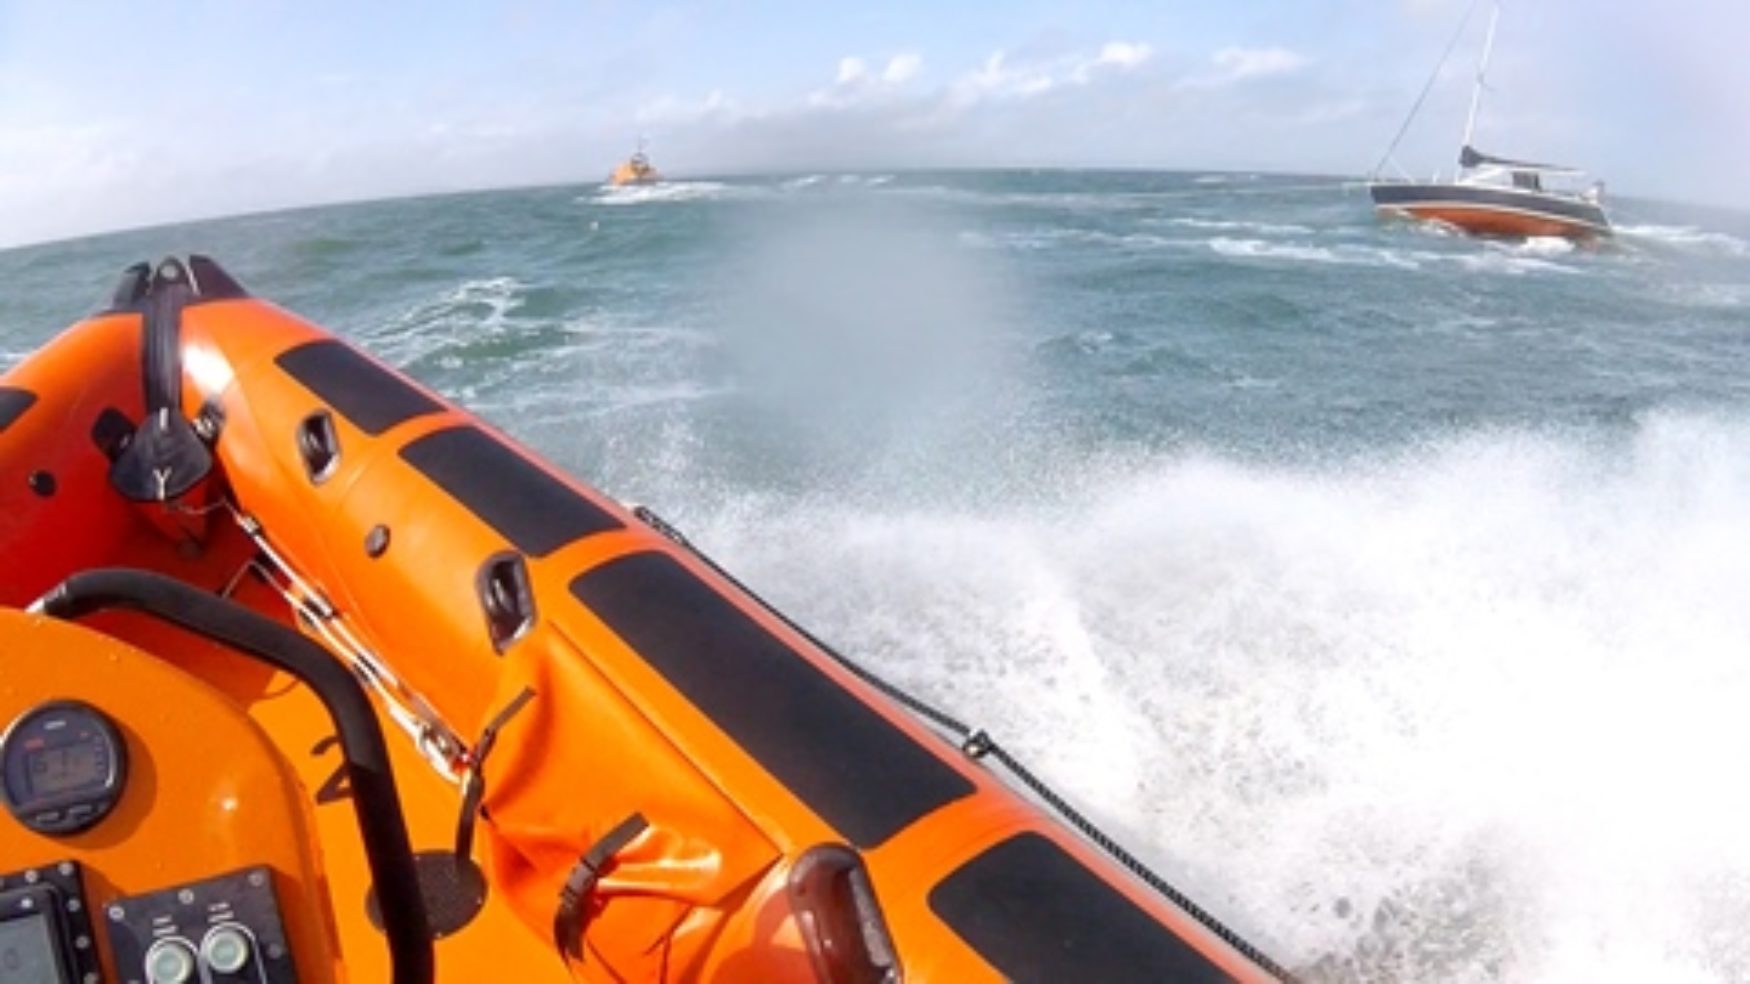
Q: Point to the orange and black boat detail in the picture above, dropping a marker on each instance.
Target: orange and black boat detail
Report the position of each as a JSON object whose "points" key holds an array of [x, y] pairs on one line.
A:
{"points": [[500, 487], [369, 397], [13, 404], [610, 760], [1012, 901], [864, 777], [1493, 211]]}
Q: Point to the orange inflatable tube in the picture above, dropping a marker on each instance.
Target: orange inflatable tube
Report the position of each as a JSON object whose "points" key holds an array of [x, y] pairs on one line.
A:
{"points": [[644, 772]]}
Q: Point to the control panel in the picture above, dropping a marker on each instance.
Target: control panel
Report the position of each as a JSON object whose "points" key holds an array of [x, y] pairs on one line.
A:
{"points": [[153, 832], [217, 931], [63, 767]]}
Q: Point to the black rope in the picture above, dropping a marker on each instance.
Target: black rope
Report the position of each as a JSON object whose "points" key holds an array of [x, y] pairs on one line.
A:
{"points": [[977, 744]]}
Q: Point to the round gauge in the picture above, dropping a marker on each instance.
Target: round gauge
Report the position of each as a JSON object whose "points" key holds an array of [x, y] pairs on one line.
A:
{"points": [[62, 766]]}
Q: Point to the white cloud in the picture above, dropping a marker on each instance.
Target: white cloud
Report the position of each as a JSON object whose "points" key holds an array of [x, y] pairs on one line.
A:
{"points": [[1119, 56], [1233, 66], [673, 110], [1124, 54], [852, 70], [855, 83], [1240, 64], [902, 68], [1000, 77]]}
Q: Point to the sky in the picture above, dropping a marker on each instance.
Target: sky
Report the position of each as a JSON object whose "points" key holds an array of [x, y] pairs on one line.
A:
{"points": [[116, 115]]}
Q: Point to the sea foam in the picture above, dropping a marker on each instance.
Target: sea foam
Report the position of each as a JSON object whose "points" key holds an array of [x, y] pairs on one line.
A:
{"points": [[1469, 712]]}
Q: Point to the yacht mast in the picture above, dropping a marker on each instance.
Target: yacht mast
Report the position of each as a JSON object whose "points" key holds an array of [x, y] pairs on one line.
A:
{"points": [[1476, 96]]}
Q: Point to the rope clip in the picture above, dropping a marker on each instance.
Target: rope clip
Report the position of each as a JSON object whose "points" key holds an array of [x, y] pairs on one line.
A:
{"points": [[978, 744]]}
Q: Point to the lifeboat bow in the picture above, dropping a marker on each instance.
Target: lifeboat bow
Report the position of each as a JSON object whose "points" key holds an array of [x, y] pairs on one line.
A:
{"points": [[311, 674]]}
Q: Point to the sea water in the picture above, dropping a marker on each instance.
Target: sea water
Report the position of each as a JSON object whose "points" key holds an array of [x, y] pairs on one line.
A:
{"points": [[1387, 591]]}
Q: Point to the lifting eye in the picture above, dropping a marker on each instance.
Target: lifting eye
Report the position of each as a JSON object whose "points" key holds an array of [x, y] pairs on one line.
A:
{"points": [[506, 598], [318, 446]]}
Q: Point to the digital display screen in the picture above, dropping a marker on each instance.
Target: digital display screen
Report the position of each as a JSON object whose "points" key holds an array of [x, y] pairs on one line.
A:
{"points": [[59, 768], [27, 952]]}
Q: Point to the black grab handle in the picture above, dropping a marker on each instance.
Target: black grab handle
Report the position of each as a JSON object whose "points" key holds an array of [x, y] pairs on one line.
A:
{"points": [[374, 799]]}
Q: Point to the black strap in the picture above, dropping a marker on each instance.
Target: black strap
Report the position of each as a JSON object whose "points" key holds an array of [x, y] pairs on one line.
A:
{"points": [[473, 783], [568, 920]]}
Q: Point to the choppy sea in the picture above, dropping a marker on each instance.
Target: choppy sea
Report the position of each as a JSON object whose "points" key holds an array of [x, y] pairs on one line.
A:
{"points": [[1388, 591]]}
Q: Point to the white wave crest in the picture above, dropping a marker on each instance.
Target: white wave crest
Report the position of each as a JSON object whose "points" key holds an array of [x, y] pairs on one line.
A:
{"points": [[1470, 713], [1051, 237], [486, 301], [1491, 258], [1231, 225], [1341, 254], [472, 308], [1513, 258], [1258, 248], [1688, 238], [1544, 246], [666, 191], [841, 180]]}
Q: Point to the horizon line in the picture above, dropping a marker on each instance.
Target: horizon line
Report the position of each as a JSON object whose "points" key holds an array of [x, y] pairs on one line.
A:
{"points": [[1341, 181]]}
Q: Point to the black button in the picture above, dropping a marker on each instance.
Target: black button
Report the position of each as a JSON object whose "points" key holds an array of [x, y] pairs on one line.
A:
{"points": [[81, 811], [46, 818]]}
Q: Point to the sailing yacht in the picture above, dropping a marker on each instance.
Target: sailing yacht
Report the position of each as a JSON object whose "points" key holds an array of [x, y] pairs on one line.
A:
{"points": [[1494, 196]]}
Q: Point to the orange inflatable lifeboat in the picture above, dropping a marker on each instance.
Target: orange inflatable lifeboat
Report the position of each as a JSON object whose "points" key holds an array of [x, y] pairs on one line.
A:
{"points": [[307, 674]]}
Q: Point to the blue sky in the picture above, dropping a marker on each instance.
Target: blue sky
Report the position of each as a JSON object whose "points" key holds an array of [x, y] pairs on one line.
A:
{"points": [[120, 114]]}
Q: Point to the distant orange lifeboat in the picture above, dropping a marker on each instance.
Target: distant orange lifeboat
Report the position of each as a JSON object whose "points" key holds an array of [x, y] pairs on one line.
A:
{"points": [[636, 170]]}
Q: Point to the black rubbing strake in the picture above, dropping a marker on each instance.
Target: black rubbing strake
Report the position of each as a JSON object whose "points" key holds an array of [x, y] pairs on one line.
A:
{"points": [[13, 403], [853, 767], [366, 394], [536, 512], [1037, 914]]}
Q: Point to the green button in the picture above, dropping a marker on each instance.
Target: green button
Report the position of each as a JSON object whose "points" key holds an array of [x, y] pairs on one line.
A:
{"points": [[226, 950], [169, 962]]}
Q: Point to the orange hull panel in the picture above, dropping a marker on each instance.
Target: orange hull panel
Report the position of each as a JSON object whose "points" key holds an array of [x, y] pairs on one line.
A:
{"points": [[1495, 222]]}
